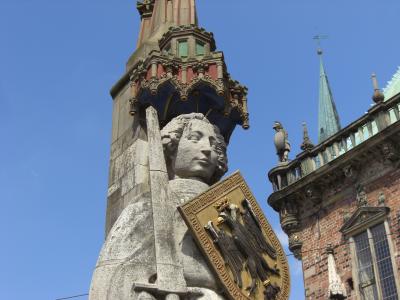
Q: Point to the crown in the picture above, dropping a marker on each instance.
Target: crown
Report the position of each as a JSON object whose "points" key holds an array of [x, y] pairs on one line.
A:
{"points": [[221, 205], [220, 220]]}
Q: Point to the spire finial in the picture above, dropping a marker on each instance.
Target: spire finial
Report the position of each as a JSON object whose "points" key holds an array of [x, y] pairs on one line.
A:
{"points": [[378, 96], [318, 38], [307, 144]]}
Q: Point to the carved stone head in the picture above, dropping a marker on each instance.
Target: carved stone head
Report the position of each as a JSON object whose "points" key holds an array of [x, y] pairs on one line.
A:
{"points": [[277, 126], [194, 149]]}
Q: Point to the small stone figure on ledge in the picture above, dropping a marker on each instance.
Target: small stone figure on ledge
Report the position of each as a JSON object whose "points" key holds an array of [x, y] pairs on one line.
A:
{"points": [[281, 141]]}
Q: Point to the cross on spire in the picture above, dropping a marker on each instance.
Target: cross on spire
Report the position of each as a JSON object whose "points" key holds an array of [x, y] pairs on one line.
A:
{"points": [[318, 38]]}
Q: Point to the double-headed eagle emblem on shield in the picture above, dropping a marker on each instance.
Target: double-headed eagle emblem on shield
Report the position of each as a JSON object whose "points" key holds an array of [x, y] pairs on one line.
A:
{"points": [[239, 244]]}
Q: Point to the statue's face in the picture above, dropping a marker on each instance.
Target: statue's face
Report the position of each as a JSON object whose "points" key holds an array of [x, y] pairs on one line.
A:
{"points": [[196, 155]]}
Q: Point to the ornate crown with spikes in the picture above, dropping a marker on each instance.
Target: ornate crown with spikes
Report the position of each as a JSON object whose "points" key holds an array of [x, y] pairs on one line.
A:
{"points": [[222, 204]]}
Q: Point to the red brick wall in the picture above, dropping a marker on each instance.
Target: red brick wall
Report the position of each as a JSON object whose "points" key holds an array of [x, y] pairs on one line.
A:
{"points": [[315, 268]]}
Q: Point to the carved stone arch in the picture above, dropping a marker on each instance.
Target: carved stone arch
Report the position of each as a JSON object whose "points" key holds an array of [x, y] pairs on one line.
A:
{"points": [[206, 80]]}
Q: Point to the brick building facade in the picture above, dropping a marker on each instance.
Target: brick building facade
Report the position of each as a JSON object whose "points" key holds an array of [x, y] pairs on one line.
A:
{"points": [[339, 204]]}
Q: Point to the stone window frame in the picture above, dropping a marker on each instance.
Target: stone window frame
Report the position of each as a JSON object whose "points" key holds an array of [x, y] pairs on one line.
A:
{"points": [[353, 227]]}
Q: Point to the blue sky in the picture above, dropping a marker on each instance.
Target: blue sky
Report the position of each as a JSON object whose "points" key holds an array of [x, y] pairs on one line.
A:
{"points": [[58, 60]]}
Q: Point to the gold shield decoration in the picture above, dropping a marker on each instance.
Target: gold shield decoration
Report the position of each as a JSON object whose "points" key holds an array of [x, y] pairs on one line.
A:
{"points": [[240, 246]]}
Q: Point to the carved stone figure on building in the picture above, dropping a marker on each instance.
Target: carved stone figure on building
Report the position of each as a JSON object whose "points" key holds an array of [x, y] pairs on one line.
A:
{"points": [[281, 141], [390, 153], [361, 196]]}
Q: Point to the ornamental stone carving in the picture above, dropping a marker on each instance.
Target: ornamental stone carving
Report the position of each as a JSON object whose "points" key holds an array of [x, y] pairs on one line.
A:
{"points": [[200, 68], [171, 68], [313, 194], [295, 244], [349, 172], [361, 196], [289, 216], [390, 153]]}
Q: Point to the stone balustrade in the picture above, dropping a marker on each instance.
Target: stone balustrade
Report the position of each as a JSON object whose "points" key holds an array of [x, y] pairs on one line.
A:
{"points": [[377, 119]]}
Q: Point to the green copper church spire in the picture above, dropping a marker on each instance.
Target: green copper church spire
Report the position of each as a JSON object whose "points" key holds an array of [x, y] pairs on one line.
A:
{"points": [[328, 118]]}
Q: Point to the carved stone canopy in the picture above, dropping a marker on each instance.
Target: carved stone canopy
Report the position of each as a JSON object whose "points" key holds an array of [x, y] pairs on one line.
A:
{"points": [[363, 217], [202, 85]]}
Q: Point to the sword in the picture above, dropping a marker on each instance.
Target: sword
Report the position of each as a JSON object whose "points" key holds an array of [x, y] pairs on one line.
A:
{"points": [[170, 282]]}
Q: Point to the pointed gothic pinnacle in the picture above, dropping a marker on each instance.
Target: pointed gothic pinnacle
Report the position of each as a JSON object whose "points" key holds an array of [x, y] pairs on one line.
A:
{"points": [[328, 118], [307, 144], [159, 15], [378, 96]]}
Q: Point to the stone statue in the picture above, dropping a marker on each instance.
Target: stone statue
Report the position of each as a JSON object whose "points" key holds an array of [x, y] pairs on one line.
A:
{"points": [[281, 141], [194, 149], [195, 157]]}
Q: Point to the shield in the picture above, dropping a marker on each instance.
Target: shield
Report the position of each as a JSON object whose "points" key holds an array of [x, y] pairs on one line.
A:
{"points": [[238, 242]]}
